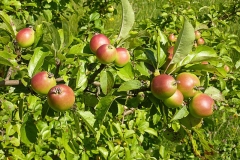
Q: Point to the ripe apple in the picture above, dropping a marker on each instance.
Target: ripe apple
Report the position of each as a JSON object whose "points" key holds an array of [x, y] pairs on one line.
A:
{"points": [[106, 53], [201, 105], [172, 38], [163, 86], [98, 40], [191, 121], [226, 68], [122, 57], [25, 37], [197, 35], [175, 101], [200, 41], [187, 84], [61, 97], [42, 82]]}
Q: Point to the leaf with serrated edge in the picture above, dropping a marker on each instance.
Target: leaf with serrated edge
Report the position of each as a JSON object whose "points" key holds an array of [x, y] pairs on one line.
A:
{"points": [[36, 60], [128, 19], [88, 118], [130, 85], [184, 43], [106, 81], [54, 35], [103, 106], [183, 112]]}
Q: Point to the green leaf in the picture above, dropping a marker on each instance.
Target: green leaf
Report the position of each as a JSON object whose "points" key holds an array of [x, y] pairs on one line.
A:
{"points": [[65, 141], [84, 156], [5, 62], [150, 53], [128, 133], [151, 131], [36, 61], [103, 106], [17, 154], [81, 75], [7, 20], [214, 93], [67, 33], [29, 131], [38, 34], [88, 118], [183, 112], [126, 73], [54, 35], [184, 43], [94, 16], [106, 81], [130, 85], [103, 151], [209, 68], [128, 19]]}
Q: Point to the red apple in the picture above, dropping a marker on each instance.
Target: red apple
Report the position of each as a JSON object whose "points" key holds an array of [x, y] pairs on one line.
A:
{"points": [[163, 86], [175, 101], [25, 37], [98, 40], [61, 97], [187, 84], [42, 82], [226, 68], [197, 35], [106, 53], [201, 105], [122, 57], [172, 38], [200, 41]]}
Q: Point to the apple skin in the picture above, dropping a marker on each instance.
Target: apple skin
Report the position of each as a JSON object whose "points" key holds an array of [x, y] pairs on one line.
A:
{"points": [[163, 86], [200, 41], [61, 97], [172, 38], [197, 35], [226, 68], [106, 53], [175, 101], [98, 40], [191, 121], [42, 82], [201, 105], [25, 37], [187, 83], [110, 9], [122, 57]]}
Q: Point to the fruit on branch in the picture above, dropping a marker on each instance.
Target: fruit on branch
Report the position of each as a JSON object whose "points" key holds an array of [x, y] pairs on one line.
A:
{"points": [[163, 86], [197, 35], [175, 101], [98, 40], [201, 105], [110, 9], [61, 97], [106, 53], [42, 82], [172, 38], [191, 121], [188, 84], [200, 41], [25, 37], [169, 59], [122, 57], [226, 68]]}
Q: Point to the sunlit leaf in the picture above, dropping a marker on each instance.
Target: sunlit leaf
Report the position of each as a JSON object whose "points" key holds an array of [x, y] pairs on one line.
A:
{"points": [[183, 112], [130, 85], [106, 81], [128, 19]]}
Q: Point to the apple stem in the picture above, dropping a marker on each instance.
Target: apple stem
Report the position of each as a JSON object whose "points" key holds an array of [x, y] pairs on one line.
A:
{"points": [[58, 63], [57, 90], [50, 75]]}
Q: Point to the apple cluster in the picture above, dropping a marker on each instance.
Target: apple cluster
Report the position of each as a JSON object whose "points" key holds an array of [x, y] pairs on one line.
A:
{"points": [[59, 97], [198, 38], [173, 91], [106, 53]]}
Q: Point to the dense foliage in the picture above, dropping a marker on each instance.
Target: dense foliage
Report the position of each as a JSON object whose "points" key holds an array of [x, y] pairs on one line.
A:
{"points": [[115, 114]]}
